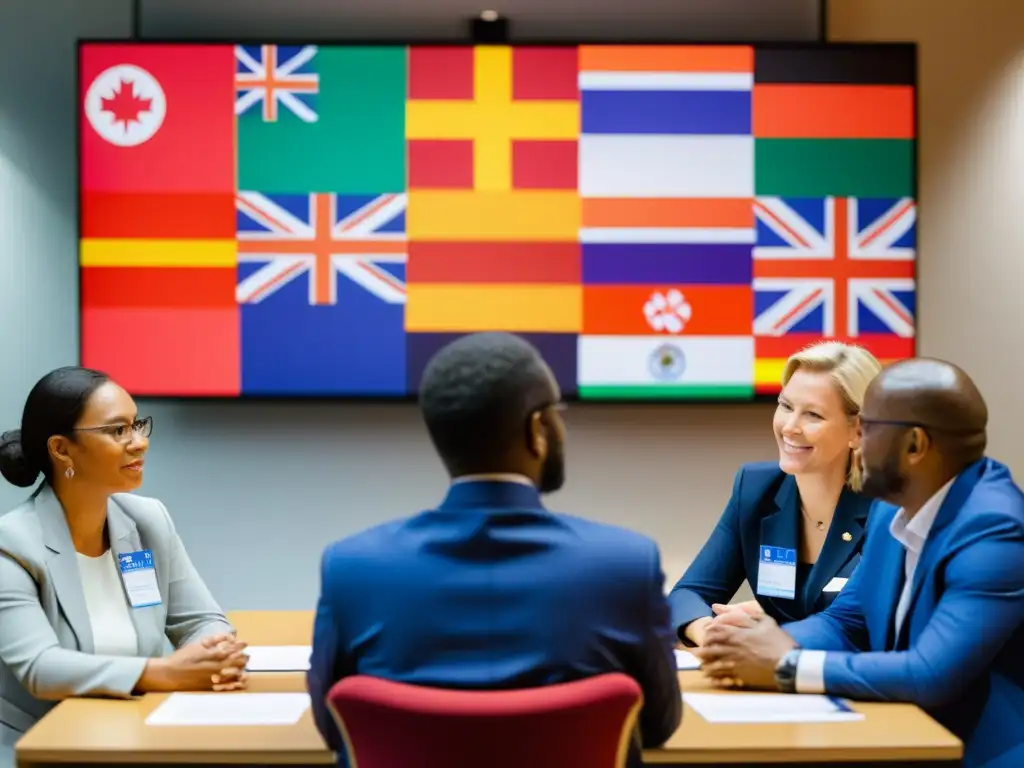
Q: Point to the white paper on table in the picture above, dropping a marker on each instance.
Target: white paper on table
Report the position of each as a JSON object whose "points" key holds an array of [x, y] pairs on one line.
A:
{"points": [[230, 709], [278, 658], [686, 660], [769, 708], [835, 585]]}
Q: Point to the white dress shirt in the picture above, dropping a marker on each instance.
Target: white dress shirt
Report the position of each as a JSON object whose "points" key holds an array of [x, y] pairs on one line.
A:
{"points": [[113, 632], [494, 477], [912, 534]]}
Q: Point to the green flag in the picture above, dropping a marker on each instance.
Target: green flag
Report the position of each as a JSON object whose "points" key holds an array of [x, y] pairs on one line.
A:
{"points": [[355, 145]]}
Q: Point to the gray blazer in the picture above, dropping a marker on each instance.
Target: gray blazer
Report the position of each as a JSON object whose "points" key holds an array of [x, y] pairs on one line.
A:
{"points": [[46, 644]]}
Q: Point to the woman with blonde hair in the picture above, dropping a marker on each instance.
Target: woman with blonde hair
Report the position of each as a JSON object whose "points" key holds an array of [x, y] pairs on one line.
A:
{"points": [[792, 529]]}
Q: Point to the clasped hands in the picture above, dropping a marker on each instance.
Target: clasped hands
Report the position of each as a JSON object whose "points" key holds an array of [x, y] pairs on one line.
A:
{"points": [[742, 646], [227, 651], [215, 663]]}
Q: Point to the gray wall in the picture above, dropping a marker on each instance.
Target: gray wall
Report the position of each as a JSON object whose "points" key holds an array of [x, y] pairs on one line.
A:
{"points": [[258, 489]]}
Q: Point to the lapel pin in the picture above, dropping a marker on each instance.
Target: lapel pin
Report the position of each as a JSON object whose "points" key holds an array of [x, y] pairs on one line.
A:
{"points": [[847, 536]]}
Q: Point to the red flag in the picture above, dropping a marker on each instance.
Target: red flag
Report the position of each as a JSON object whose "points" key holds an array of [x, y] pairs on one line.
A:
{"points": [[157, 118]]}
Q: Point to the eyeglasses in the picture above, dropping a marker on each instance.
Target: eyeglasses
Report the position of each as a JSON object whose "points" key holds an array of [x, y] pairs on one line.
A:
{"points": [[123, 433], [558, 407], [913, 424]]}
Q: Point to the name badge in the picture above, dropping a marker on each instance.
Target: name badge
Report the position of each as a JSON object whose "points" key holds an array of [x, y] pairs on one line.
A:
{"points": [[139, 576], [776, 573]]}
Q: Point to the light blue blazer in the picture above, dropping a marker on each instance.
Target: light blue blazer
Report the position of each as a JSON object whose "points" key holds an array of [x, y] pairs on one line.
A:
{"points": [[46, 644]]}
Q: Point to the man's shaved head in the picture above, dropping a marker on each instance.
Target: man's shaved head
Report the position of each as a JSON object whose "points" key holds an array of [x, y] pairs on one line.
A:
{"points": [[931, 392], [923, 421]]}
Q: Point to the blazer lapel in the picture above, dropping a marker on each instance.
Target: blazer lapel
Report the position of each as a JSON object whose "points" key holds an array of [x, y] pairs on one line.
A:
{"points": [[149, 622], [954, 500], [63, 566], [844, 534], [781, 529]]}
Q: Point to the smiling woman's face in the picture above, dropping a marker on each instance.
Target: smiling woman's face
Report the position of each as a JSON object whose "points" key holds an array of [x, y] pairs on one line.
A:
{"points": [[812, 429]]}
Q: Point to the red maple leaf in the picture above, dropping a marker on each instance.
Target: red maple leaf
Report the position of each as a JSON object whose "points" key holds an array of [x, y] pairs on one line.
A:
{"points": [[125, 105]]}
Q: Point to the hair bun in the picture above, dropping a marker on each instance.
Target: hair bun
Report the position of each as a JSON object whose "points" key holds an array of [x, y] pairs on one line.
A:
{"points": [[14, 465]]}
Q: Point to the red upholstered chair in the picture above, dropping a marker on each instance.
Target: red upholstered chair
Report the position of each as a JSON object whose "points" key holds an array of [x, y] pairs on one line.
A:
{"points": [[584, 724]]}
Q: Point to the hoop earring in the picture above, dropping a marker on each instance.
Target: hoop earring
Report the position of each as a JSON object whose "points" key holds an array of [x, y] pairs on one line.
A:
{"points": [[69, 472]]}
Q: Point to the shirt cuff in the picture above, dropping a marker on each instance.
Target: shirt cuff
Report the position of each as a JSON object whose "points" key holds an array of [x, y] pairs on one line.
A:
{"points": [[810, 672]]}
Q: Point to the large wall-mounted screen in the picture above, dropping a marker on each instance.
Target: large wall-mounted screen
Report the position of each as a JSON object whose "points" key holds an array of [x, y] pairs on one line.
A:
{"points": [[663, 222]]}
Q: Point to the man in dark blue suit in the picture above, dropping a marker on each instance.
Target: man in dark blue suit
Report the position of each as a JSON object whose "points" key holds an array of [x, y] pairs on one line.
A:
{"points": [[489, 590], [934, 613]]}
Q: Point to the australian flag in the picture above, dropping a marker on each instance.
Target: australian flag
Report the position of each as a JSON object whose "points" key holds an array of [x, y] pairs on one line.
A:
{"points": [[321, 284]]}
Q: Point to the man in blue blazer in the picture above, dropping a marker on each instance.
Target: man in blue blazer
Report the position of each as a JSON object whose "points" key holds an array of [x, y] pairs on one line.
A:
{"points": [[933, 615], [484, 592]]}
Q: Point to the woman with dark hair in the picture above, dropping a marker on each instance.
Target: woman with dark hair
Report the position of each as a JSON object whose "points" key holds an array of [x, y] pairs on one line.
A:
{"points": [[93, 579]]}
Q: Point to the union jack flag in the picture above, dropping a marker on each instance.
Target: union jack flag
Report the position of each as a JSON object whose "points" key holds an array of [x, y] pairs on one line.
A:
{"points": [[321, 237], [836, 267], [276, 75]]}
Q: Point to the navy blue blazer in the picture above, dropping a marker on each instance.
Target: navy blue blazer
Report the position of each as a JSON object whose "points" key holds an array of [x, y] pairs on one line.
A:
{"points": [[960, 650], [489, 591], [764, 510]]}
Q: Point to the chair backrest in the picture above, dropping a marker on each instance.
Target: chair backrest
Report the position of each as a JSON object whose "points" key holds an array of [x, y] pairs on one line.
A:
{"points": [[586, 723]]}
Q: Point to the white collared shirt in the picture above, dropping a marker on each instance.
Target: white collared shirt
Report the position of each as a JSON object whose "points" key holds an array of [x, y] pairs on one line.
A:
{"points": [[912, 534], [494, 477]]}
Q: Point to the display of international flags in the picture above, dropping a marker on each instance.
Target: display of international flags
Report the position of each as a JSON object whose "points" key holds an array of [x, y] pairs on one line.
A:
{"points": [[662, 222]]}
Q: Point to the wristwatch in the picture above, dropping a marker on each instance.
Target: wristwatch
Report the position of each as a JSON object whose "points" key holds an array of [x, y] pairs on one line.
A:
{"points": [[785, 671]]}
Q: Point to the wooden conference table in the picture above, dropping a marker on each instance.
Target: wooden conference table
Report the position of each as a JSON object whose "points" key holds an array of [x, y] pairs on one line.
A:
{"points": [[114, 732]]}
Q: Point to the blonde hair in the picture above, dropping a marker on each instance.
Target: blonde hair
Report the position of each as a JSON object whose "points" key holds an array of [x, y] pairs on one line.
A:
{"points": [[851, 369]]}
